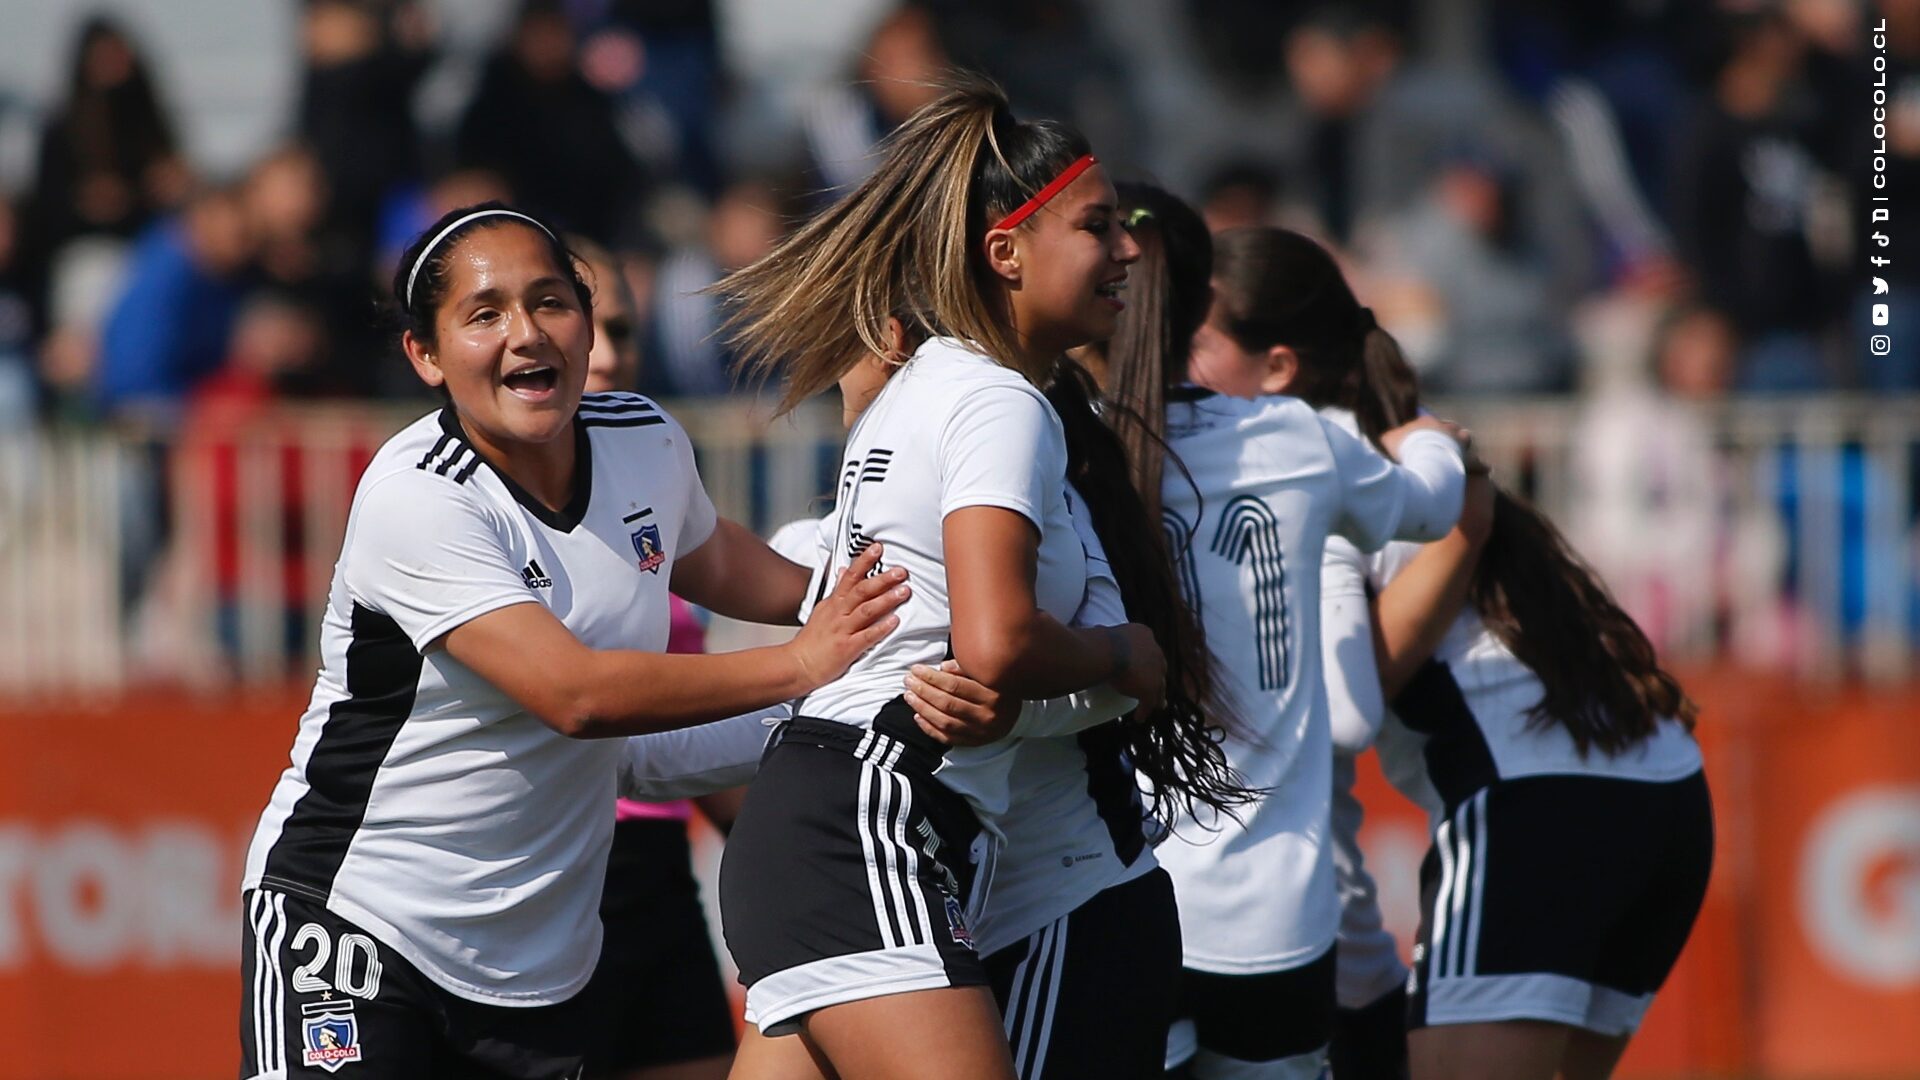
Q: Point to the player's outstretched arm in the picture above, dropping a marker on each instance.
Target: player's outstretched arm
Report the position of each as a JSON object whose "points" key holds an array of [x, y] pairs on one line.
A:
{"points": [[735, 573], [599, 693]]}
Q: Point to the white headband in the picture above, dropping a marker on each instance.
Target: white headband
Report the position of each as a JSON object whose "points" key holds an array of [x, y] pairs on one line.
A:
{"points": [[456, 223]]}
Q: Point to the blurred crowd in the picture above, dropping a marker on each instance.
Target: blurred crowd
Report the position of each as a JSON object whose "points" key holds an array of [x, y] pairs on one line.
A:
{"points": [[1535, 197]]}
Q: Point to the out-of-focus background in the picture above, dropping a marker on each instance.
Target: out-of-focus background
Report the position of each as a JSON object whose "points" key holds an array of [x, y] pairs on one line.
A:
{"points": [[1627, 241]]}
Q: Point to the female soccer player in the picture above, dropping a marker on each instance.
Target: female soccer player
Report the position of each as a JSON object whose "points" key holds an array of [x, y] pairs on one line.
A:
{"points": [[422, 887], [1573, 835], [665, 1007], [848, 878], [1262, 483]]}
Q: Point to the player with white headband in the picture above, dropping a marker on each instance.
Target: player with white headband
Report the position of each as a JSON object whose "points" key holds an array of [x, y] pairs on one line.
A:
{"points": [[421, 892]]}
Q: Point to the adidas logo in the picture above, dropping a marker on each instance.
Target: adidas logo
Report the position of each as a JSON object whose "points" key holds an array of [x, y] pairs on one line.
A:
{"points": [[535, 577]]}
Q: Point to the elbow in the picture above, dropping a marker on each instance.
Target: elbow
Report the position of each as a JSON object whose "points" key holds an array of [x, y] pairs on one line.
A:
{"points": [[574, 713], [993, 656]]}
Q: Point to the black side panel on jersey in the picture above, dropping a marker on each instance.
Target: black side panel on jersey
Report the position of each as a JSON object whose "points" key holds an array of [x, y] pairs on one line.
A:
{"points": [[1114, 790], [383, 674], [1459, 762]]}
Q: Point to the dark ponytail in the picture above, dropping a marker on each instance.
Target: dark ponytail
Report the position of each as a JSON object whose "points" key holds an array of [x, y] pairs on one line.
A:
{"points": [[1176, 748], [1601, 677], [1167, 299]]}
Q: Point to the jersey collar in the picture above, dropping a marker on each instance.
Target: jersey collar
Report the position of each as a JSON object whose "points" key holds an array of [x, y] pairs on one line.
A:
{"points": [[562, 520]]}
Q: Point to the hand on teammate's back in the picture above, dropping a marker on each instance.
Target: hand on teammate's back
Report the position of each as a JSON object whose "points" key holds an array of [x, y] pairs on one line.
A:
{"points": [[957, 710], [849, 620], [1391, 440]]}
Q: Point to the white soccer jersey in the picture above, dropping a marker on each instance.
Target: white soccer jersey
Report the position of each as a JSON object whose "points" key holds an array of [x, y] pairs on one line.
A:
{"points": [[951, 429], [1073, 816], [1465, 720], [1270, 481], [422, 803], [1073, 819]]}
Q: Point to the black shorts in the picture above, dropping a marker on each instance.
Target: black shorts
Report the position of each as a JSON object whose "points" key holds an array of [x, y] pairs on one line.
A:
{"points": [[847, 873], [658, 983], [367, 1007], [1282, 1018], [1092, 993], [1560, 898]]}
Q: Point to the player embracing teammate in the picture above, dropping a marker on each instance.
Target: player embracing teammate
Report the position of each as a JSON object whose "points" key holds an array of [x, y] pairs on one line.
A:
{"points": [[1039, 632]]}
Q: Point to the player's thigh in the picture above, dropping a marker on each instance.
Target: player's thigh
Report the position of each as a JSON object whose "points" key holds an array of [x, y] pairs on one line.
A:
{"points": [[1504, 1050], [951, 1033], [782, 1057], [317, 995], [1591, 1056]]}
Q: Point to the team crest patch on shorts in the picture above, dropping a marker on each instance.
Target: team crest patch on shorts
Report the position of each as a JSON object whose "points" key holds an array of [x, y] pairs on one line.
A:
{"points": [[647, 545], [329, 1034], [957, 923]]}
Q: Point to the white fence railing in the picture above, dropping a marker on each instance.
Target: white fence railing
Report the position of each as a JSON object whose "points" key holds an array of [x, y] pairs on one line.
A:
{"points": [[1770, 533]]}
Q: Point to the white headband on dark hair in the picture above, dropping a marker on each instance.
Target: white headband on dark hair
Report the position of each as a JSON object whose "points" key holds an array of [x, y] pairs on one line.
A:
{"points": [[456, 223]]}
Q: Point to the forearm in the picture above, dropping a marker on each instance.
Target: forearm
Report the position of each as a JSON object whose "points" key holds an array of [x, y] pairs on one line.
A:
{"points": [[697, 762], [1071, 713], [1413, 613], [625, 693], [1039, 657]]}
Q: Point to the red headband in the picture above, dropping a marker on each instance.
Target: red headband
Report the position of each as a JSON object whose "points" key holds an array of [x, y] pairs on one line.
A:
{"points": [[1044, 195]]}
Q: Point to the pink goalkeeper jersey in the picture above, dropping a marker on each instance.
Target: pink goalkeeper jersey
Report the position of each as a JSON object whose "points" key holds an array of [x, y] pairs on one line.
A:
{"points": [[686, 636]]}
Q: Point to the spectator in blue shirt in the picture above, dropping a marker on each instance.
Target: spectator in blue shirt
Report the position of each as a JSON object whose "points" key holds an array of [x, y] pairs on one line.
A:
{"points": [[170, 326]]}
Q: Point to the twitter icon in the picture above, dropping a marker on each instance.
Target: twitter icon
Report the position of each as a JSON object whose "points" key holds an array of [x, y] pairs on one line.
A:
{"points": [[1879, 286]]}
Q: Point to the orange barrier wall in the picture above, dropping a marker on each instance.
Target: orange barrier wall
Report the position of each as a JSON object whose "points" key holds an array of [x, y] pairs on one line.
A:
{"points": [[122, 825]]}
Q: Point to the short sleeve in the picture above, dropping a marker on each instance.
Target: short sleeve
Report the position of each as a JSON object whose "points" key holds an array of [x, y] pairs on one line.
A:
{"points": [[1382, 501], [804, 541], [1002, 446], [423, 553], [698, 519]]}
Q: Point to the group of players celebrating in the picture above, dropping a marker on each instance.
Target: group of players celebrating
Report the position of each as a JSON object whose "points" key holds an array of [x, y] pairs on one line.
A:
{"points": [[1140, 536]]}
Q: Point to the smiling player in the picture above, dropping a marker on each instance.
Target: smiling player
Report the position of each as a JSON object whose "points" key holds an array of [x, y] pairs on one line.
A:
{"points": [[422, 887]]}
